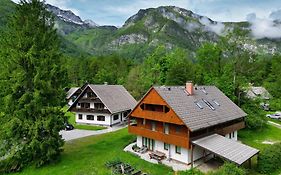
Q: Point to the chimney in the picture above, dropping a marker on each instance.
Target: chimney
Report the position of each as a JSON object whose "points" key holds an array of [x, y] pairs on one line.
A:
{"points": [[189, 87]]}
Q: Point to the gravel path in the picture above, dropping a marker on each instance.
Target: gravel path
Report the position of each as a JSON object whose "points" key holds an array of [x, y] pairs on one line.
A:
{"points": [[79, 133]]}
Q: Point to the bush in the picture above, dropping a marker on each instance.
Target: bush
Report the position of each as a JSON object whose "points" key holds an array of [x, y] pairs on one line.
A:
{"points": [[191, 172], [228, 169], [256, 116], [270, 159]]}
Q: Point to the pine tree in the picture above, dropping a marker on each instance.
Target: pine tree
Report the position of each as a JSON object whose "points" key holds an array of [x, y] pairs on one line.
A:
{"points": [[32, 80]]}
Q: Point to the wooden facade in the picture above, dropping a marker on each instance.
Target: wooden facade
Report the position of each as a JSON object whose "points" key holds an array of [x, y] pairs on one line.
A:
{"points": [[153, 110]]}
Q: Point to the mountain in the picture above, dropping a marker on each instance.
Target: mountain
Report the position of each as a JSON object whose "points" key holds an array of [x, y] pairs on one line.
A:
{"points": [[167, 25], [170, 26], [67, 21]]}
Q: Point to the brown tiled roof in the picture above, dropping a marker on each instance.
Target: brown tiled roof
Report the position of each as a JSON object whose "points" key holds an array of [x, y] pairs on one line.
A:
{"points": [[115, 97], [208, 106]]}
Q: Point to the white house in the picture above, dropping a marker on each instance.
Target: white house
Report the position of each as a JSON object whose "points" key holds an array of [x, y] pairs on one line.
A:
{"points": [[72, 94], [105, 105], [187, 123]]}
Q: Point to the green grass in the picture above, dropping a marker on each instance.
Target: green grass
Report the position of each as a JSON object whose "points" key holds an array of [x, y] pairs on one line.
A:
{"points": [[88, 156], [255, 139]]}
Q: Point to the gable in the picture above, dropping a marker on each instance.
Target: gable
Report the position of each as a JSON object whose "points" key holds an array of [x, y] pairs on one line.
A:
{"points": [[87, 96], [153, 107]]}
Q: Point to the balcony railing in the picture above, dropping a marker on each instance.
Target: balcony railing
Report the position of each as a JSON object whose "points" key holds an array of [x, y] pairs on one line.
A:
{"points": [[90, 110], [167, 138]]}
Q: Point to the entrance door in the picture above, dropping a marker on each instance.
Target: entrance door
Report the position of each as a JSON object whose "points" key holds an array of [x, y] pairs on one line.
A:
{"points": [[149, 143]]}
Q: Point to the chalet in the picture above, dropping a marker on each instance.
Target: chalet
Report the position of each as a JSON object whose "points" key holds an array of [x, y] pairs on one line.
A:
{"points": [[187, 123], [105, 105], [72, 94]]}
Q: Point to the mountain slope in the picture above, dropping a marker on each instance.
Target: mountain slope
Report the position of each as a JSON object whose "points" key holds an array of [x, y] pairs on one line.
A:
{"points": [[170, 26]]}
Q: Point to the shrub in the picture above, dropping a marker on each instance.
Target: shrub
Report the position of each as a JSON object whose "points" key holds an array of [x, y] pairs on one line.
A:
{"points": [[256, 116], [228, 169], [191, 172], [270, 159]]}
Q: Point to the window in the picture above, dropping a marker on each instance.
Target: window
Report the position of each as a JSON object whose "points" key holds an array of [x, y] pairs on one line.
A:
{"points": [[99, 106], [166, 146], [166, 128], [199, 105], [178, 150], [216, 102], [100, 118], [80, 116], [85, 105], [209, 104], [143, 121], [78, 104], [90, 117], [153, 126], [178, 129], [91, 94], [116, 117]]}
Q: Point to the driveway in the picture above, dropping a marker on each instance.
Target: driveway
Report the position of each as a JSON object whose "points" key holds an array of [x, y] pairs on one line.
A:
{"points": [[79, 133]]}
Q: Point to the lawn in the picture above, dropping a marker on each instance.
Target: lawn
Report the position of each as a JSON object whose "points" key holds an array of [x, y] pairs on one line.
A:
{"points": [[88, 156], [255, 139], [71, 120]]}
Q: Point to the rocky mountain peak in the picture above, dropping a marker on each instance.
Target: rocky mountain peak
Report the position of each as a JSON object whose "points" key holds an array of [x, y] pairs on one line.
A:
{"points": [[69, 16]]}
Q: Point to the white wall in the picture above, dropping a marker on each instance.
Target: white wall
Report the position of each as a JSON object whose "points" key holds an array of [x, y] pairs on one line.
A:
{"points": [[116, 121], [232, 138], [139, 141], [95, 122], [171, 153], [70, 102]]}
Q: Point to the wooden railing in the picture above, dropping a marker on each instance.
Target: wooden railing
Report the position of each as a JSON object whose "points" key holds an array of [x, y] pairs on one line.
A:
{"points": [[167, 138], [106, 111], [231, 128]]}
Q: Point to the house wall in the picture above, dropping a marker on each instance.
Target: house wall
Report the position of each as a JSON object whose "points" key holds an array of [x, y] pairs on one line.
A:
{"points": [[118, 120], [84, 120], [70, 102], [230, 135], [108, 118], [171, 153]]}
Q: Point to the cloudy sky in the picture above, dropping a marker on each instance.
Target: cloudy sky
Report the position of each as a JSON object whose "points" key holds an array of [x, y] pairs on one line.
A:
{"points": [[115, 12]]}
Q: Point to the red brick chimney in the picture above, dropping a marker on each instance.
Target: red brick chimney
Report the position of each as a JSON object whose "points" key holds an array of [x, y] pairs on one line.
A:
{"points": [[189, 87]]}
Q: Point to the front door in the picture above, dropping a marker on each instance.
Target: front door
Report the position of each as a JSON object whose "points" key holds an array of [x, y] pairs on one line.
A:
{"points": [[149, 143]]}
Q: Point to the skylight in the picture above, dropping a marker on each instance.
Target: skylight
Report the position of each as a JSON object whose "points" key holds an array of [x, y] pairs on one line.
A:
{"points": [[209, 104], [216, 102], [199, 105]]}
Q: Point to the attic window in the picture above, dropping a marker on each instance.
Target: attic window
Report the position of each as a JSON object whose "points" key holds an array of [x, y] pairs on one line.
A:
{"points": [[209, 104], [199, 105], [216, 102]]}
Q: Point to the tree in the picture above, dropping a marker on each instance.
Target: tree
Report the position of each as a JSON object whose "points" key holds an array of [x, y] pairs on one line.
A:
{"points": [[33, 78]]}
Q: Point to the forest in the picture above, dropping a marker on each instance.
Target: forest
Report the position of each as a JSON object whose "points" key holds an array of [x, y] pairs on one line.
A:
{"points": [[35, 74]]}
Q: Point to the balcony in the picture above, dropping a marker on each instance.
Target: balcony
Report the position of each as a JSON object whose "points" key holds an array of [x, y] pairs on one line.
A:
{"points": [[167, 138], [231, 128], [90, 110]]}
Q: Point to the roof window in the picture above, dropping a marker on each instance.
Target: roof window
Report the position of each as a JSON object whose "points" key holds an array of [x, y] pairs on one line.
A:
{"points": [[209, 104]]}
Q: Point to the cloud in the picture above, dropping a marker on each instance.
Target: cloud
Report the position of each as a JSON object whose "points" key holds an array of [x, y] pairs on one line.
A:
{"points": [[264, 27], [62, 4], [216, 27], [275, 15]]}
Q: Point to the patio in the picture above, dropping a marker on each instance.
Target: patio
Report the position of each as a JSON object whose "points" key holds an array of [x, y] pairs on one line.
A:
{"points": [[175, 165]]}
